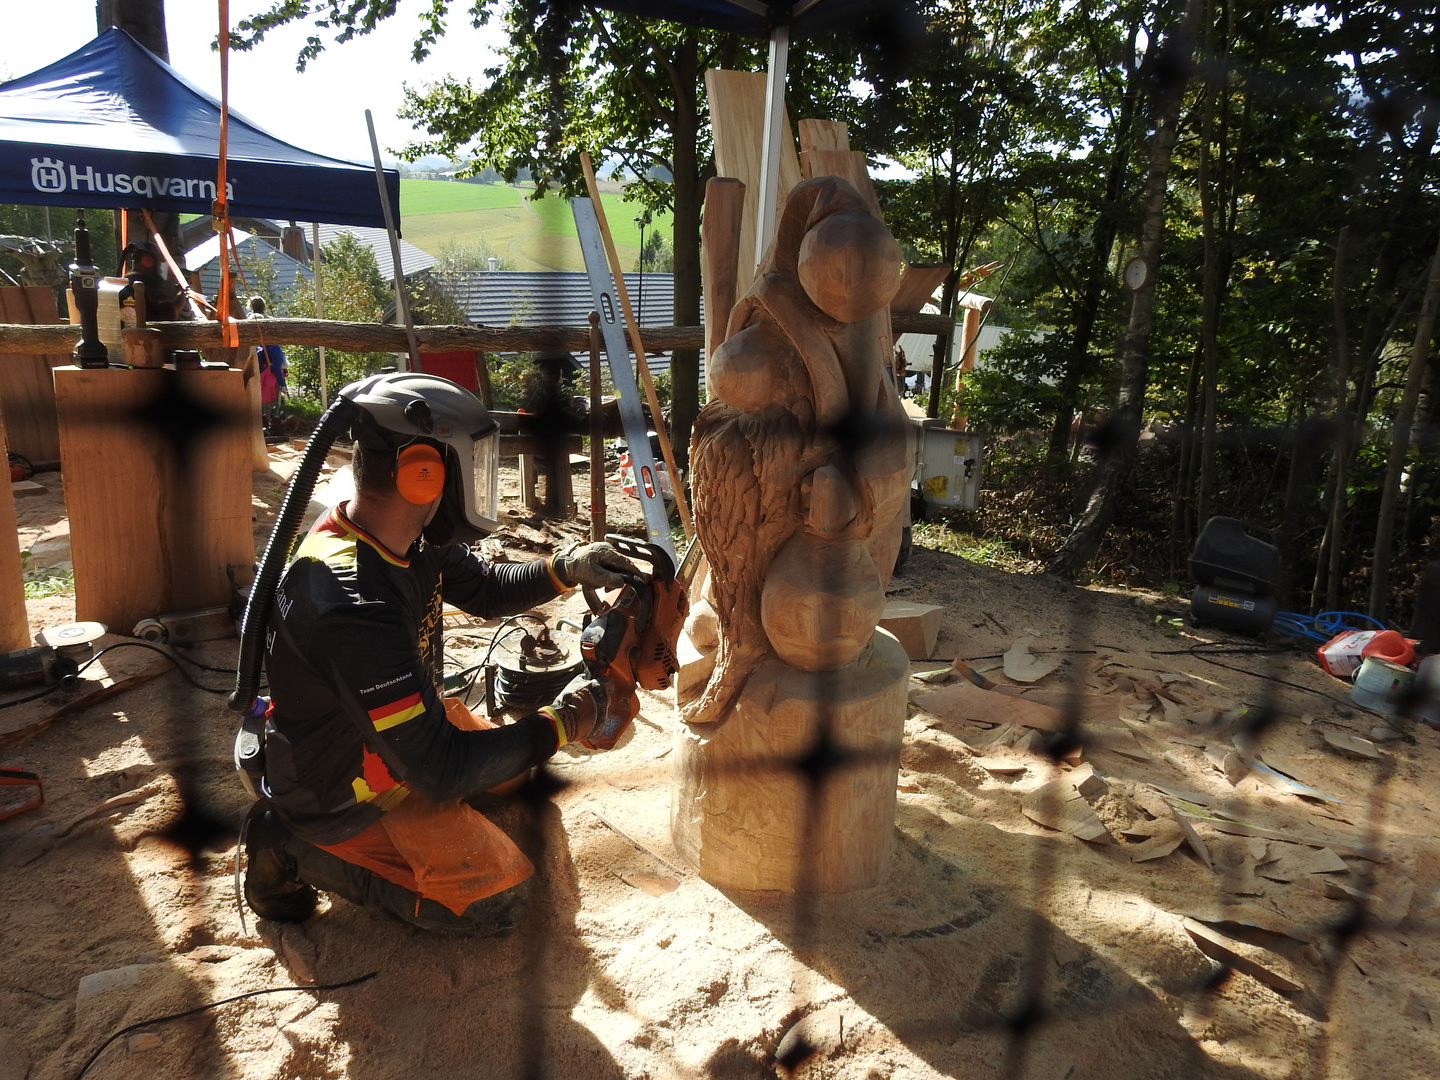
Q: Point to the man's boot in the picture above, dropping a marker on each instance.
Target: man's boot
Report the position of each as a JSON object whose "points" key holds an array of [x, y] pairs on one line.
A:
{"points": [[273, 889]]}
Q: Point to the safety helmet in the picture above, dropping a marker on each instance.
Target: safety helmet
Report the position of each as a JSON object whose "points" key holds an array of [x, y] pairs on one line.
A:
{"points": [[404, 408]]}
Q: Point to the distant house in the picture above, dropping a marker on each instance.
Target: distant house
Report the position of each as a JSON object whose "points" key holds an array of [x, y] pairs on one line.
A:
{"points": [[555, 298], [252, 250], [289, 248]]}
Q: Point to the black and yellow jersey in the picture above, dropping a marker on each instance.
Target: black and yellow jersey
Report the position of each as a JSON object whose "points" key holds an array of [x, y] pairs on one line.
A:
{"points": [[354, 657]]}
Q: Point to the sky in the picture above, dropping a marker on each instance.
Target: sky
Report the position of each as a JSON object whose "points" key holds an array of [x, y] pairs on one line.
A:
{"points": [[322, 110]]}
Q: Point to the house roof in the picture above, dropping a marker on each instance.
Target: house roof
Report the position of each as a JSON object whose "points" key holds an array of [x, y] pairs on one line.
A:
{"points": [[556, 298], [288, 271], [550, 297], [412, 258]]}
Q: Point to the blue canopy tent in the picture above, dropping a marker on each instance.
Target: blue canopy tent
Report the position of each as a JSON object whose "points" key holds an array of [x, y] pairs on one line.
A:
{"points": [[779, 21], [112, 125]]}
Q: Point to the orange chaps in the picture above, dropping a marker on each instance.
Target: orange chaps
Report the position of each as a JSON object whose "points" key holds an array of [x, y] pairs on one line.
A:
{"points": [[447, 852]]}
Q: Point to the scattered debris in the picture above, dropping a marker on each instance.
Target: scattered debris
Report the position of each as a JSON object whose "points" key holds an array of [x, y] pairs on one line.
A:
{"points": [[966, 701]]}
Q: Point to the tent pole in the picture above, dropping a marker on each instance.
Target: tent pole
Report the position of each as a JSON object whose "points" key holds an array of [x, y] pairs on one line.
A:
{"points": [[402, 310], [319, 300], [770, 150]]}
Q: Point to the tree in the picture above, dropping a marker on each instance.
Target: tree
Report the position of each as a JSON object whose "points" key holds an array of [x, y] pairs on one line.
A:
{"points": [[1171, 74], [569, 80], [354, 292]]}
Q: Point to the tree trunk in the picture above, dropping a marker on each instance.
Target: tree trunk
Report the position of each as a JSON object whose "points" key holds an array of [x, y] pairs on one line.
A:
{"points": [[1080, 546], [1400, 443], [144, 20], [1344, 428]]}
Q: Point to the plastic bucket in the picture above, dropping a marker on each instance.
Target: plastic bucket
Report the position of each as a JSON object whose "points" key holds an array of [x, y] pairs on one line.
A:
{"points": [[1379, 684]]}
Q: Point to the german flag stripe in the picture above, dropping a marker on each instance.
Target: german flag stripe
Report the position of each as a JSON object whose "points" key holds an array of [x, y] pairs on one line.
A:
{"points": [[397, 712]]}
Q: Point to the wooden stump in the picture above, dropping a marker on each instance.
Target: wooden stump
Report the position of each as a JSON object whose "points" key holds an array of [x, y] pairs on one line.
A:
{"points": [[744, 812], [150, 532]]}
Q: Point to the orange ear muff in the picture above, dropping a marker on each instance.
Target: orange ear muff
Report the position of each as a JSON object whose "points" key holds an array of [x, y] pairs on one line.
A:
{"points": [[419, 473]]}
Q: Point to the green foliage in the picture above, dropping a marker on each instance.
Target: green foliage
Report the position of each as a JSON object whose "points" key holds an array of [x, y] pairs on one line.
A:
{"points": [[457, 254], [354, 292], [657, 256], [952, 538], [43, 581]]}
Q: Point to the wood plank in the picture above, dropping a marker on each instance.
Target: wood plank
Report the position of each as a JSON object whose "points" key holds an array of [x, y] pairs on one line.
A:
{"points": [[846, 164], [14, 630], [737, 119], [720, 231], [27, 391], [918, 283], [150, 532], [823, 135]]}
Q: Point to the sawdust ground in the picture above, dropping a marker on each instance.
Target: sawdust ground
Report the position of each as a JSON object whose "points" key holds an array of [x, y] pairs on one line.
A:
{"points": [[632, 967]]}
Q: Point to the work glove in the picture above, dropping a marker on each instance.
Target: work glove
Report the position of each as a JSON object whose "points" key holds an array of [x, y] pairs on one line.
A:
{"points": [[579, 710], [598, 565]]}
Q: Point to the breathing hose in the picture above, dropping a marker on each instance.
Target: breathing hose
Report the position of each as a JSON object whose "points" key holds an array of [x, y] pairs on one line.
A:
{"points": [[336, 422]]}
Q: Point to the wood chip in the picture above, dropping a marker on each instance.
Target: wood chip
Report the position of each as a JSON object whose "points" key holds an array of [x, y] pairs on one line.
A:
{"points": [[1259, 964], [1022, 667], [653, 884], [1240, 828], [1058, 805], [1121, 740], [1168, 837], [1353, 745], [965, 701], [1245, 913], [1001, 766]]}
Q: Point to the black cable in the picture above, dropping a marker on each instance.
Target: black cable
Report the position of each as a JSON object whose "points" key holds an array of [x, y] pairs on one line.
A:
{"points": [[169, 654], [214, 1004], [164, 651]]}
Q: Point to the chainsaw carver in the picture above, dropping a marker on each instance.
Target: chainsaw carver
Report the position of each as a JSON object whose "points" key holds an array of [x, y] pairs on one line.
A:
{"points": [[367, 768]]}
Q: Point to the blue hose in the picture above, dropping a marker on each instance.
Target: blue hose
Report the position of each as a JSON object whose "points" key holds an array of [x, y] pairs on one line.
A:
{"points": [[1321, 628]]}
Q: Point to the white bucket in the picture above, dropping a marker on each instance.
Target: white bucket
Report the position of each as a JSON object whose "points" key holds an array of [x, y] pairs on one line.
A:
{"points": [[1380, 684]]}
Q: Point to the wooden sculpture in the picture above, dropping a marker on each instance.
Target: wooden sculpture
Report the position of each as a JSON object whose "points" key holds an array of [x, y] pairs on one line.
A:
{"points": [[802, 462]]}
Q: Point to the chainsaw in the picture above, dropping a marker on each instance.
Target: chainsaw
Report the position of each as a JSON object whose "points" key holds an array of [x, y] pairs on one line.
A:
{"points": [[630, 639]]}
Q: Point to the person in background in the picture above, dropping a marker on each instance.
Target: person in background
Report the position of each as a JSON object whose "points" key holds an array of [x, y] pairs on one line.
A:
{"points": [[273, 372]]}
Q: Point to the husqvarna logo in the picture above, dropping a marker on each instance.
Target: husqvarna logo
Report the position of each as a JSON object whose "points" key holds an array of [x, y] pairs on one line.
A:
{"points": [[47, 174]]}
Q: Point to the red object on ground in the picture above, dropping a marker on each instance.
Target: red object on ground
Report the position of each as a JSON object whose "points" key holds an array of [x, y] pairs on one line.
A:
{"points": [[458, 367], [1390, 645]]}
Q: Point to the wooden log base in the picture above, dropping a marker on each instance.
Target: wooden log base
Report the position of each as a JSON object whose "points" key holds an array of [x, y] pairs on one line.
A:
{"points": [[741, 809]]}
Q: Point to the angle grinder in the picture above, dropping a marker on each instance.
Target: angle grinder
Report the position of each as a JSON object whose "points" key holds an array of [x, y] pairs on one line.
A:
{"points": [[57, 655]]}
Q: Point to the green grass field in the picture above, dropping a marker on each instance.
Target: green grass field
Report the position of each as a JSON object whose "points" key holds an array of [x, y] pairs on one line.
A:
{"points": [[439, 196], [530, 235]]}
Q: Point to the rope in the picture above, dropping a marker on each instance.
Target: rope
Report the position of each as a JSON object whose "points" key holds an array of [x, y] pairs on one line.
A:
{"points": [[219, 210]]}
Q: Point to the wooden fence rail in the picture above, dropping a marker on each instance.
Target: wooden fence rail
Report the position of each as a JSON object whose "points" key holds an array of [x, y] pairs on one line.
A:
{"points": [[384, 337]]}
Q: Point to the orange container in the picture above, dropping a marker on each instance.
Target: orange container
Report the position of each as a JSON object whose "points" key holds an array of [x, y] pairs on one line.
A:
{"points": [[1390, 645]]}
